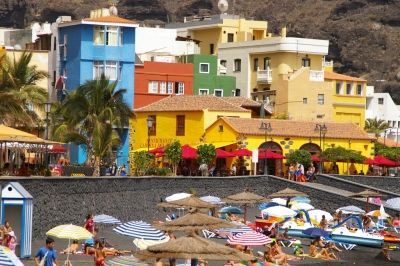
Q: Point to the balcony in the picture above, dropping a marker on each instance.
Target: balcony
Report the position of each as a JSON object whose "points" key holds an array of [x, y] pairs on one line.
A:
{"points": [[327, 64], [316, 75], [264, 76]]}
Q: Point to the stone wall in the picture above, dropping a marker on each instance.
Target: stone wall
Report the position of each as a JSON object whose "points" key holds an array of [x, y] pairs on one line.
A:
{"points": [[85, 170], [65, 200], [380, 182]]}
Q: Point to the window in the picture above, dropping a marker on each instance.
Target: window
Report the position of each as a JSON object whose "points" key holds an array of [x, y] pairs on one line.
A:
{"points": [[121, 36], [179, 88], [170, 87], [237, 92], [230, 37], [65, 44], [380, 100], [111, 69], [304, 100], [218, 93], [321, 99], [359, 89], [339, 87], [163, 87], [211, 48], [220, 128], [349, 89], [204, 68], [233, 93], [153, 129], [203, 91], [98, 69], [223, 63], [238, 65], [267, 63], [112, 36], [98, 35], [153, 86], [180, 125], [255, 64], [305, 62], [120, 71]]}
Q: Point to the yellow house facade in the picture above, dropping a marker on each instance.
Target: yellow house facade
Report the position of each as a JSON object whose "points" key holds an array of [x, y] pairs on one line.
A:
{"points": [[287, 136]]}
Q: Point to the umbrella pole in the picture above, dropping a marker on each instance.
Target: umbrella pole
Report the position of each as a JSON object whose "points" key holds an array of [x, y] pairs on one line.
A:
{"points": [[69, 244], [245, 212], [366, 205]]}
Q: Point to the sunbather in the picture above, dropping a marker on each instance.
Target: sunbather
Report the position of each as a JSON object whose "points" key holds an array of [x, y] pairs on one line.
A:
{"points": [[99, 255], [326, 253], [319, 242], [285, 234], [277, 246], [313, 249], [323, 224], [72, 249], [385, 250], [270, 257]]}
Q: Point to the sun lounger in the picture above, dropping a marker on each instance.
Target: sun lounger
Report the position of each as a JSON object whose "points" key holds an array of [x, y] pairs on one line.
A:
{"points": [[214, 234], [346, 246]]}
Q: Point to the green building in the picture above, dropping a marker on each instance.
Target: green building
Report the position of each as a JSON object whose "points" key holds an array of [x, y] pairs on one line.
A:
{"points": [[207, 79]]}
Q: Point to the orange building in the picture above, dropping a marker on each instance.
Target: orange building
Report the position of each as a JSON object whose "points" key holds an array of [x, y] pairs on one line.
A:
{"points": [[157, 80]]}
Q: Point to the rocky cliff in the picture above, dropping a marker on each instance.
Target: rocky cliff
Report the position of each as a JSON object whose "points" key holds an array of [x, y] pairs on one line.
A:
{"points": [[363, 34]]}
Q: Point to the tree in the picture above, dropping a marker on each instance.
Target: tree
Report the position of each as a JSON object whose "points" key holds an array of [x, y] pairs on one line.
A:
{"points": [[206, 153], [373, 125], [174, 152], [301, 156], [387, 152], [141, 161], [345, 155]]}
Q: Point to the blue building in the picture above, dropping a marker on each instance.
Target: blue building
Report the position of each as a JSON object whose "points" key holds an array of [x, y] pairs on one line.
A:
{"points": [[92, 46]]}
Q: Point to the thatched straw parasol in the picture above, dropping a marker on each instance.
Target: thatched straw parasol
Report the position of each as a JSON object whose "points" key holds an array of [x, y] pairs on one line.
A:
{"points": [[194, 221], [367, 194], [245, 198], [191, 246], [287, 192], [188, 202]]}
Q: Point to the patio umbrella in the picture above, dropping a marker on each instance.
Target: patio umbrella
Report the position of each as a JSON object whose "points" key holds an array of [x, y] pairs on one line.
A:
{"points": [[8, 257], [270, 155], [12, 132], [105, 219], [192, 246], [265, 205], [125, 260], [224, 154], [157, 150], [367, 194], [249, 239], [350, 210], [378, 213], [301, 199], [139, 229], [317, 159], [243, 152], [393, 203], [188, 152], [317, 215], [177, 196], [371, 161], [287, 192], [231, 209], [245, 198], [382, 161], [280, 201], [315, 231], [211, 199], [191, 201], [301, 206], [144, 243], [194, 221], [241, 228], [279, 211]]}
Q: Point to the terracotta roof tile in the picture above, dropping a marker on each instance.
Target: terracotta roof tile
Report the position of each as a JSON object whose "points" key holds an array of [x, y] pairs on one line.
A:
{"points": [[110, 19], [388, 142], [191, 103], [242, 101], [336, 76], [292, 128]]}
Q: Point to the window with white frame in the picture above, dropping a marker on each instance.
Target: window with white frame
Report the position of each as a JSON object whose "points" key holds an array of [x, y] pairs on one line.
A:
{"points": [[98, 35], [179, 88], [203, 91], [204, 68], [218, 93], [111, 69], [320, 99], [233, 93], [112, 36], [349, 89], [223, 63], [304, 100], [238, 65], [360, 89], [120, 71], [163, 87], [121, 36], [98, 69], [170, 87], [153, 86], [339, 88]]}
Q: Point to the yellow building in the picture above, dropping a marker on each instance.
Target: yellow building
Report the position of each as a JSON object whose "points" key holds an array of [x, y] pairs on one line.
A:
{"points": [[287, 136]]}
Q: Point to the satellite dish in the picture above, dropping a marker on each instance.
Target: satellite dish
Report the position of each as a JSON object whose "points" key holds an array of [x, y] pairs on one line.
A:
{"points": [[17, 47], [223, 5], [113, 11], [58, 20]]}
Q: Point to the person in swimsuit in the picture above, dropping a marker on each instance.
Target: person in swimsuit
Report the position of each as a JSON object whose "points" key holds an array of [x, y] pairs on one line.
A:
{"points": [[326, 253], [313, 249], [323, 224], [172, 237], [99, 254], [89, 224], [366, 220], [277, 246], [6, 231], [291, 172], [270, 257], [72, 249]]}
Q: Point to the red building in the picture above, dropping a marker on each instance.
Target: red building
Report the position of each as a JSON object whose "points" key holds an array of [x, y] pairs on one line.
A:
{"points": [[157, 80]]}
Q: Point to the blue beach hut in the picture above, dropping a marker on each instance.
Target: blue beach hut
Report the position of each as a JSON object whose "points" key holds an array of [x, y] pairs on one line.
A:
{"points": [[17, 208]]}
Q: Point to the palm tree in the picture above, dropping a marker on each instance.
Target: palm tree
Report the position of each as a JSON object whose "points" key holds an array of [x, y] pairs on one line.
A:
{"points": [[373, 125], [95, 102]]}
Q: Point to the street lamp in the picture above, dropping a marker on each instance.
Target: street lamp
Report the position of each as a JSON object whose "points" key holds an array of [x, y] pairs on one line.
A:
{"points": [[322, 129], [267, 128], [384, 139], [47, 109], [149, 126]]}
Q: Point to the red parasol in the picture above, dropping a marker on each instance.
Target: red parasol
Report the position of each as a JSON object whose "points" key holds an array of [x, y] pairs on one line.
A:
{"points": [[188, 152], [157, 150], [270, 155], [370, 161], [242, 152], [57, 149], [224, 154], [382, 161]]}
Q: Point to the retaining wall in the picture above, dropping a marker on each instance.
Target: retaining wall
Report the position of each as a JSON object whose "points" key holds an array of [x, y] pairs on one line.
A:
{"points": [[380, 182]]}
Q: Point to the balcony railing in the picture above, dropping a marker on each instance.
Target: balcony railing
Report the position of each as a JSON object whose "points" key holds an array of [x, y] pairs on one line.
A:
{"points": [[264, 76], [327, 64], [316, 75]]}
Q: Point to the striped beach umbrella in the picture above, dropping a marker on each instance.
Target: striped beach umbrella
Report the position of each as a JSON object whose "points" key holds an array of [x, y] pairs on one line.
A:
{"points": [[242, 229], [393, 203], [106, 219], [69, 231], [211, 199], [124, 260], [7, 257], [139, 229], [143, 243], [249, 239]]}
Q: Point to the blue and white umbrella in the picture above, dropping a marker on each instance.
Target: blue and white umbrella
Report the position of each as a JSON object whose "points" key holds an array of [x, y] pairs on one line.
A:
{"points": [[211, 199], [231, 209], [265, 205], [393, 203], [106, 219], [301, 199], [124, 260], [242, 229], [351, 210], [7, 257], [139, 229]]}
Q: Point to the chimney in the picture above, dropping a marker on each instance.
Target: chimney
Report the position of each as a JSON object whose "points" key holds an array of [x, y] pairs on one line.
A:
{"points": [[283, 35]]}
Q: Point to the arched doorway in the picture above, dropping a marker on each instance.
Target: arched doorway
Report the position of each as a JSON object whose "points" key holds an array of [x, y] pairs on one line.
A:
{"points": [[312, 148], [274, 165]]}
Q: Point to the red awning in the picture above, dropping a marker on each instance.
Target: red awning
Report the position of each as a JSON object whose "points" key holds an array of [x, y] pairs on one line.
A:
{"points": [[188, 152], [157, 150], [242, 152], [370, 162], [382, 161], [270, 155], [224, 154], [317, 159], [57, 149]]}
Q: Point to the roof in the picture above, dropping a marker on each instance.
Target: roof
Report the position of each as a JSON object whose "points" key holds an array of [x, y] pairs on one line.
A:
{"points": [[107, 20], [181, 103], [336, 76], [242, 101], [292, 128], [388, 142], [19, 189], [138, 61]]}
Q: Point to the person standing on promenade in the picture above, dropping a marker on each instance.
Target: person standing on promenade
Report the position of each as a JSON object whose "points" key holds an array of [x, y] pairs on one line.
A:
{"points": [[113, 169], [89, 224], [46, 256]]}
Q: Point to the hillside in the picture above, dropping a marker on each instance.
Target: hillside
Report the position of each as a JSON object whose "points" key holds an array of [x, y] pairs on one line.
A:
{"points": [[363, 34]]}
